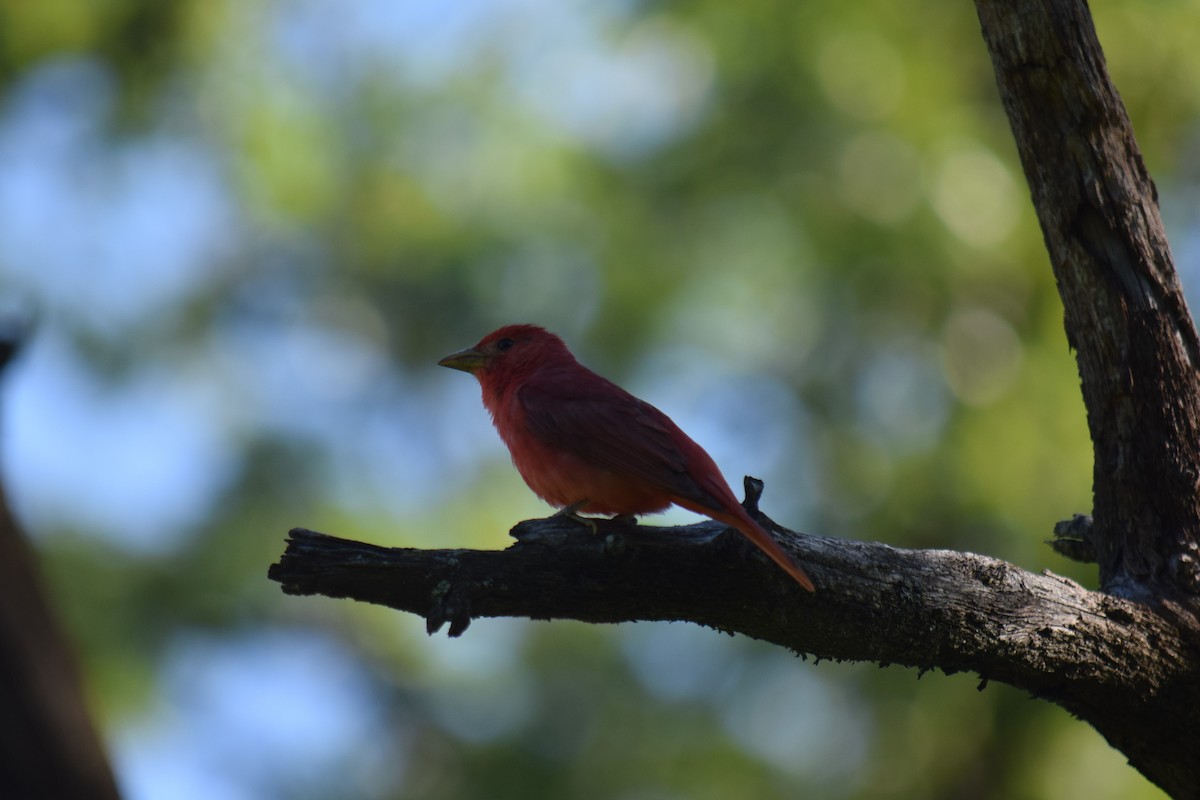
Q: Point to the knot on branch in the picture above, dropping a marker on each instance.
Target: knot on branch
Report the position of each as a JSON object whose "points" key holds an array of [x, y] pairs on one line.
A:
{"points": [[450, 602], [1075, 538], [754, 490], [1185, 567]]}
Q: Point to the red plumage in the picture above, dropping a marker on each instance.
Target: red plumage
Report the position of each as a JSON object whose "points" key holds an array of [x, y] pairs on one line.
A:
{"points": [[580, 440]]}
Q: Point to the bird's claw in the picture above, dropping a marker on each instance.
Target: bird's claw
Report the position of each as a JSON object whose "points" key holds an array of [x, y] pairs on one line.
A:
{"points": [[572, 512]]}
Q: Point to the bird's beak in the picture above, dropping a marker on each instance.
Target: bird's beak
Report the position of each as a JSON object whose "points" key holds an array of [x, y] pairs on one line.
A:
{"points": [[467, 360]]}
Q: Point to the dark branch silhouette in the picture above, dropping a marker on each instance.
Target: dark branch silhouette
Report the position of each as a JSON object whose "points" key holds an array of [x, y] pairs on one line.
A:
{"points": [[49, 748], [1108, 660]]}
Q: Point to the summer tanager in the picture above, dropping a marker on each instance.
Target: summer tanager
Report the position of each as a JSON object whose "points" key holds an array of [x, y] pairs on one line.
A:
{"points": [[582, 443]]}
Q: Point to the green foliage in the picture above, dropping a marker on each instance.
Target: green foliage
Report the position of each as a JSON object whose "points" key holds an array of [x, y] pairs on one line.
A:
{"points": [[800, 228]]}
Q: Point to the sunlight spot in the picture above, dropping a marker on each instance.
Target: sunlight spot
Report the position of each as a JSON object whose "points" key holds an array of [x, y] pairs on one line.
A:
{"points": [[975, 196], [981, 355]]}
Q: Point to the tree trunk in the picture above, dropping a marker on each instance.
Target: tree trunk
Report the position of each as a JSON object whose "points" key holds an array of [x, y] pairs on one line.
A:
{"points": [[48, 746], [1125, 314], [1126, 660]]}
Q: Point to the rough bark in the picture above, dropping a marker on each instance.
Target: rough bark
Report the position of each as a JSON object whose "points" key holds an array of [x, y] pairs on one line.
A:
{"points": [[1126, 318], [1126, 660], [1116, 663]]}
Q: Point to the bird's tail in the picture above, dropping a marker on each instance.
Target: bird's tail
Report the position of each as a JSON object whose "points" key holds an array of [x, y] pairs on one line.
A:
{"points": [[763, 541]]}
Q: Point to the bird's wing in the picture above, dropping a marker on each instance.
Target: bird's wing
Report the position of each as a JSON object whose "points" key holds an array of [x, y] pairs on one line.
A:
{"points": [[597, 420]]}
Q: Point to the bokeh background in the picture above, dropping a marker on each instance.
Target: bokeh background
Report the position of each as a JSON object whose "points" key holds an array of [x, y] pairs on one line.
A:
{"points": [[247, 230]]}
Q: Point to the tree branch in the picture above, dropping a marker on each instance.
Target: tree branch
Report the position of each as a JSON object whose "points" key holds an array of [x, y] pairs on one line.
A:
{"points": [[1112, 662]]}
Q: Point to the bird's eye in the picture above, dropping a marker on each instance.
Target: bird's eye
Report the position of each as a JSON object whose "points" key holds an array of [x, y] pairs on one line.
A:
{"points": [[504, 344]]}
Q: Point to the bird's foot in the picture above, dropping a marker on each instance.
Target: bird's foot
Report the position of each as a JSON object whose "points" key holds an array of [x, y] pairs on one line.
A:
{"points": [[625, 519], [572, 512]]}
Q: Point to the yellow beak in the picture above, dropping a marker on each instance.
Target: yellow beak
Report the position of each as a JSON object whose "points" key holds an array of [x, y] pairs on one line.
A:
{"points": [[467, 360]]}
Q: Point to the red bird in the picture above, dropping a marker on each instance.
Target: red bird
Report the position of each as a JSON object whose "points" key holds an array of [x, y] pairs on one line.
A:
{"points": [[582, 443]]}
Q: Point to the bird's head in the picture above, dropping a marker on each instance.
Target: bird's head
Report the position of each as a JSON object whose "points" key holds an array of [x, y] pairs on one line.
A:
{"points": [[509, 353]]}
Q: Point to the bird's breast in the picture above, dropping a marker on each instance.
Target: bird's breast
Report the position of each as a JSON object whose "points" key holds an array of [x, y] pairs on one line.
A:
{"points": [[563, 478]]}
